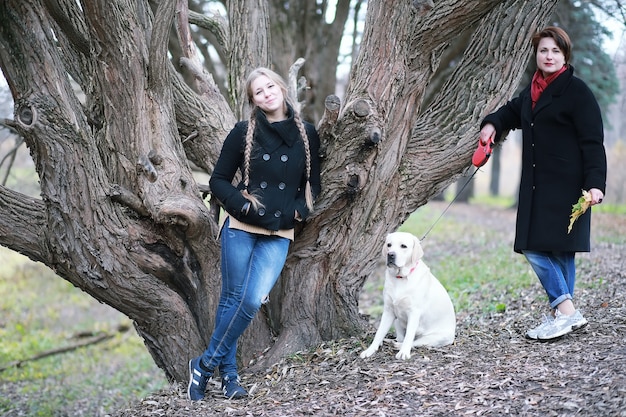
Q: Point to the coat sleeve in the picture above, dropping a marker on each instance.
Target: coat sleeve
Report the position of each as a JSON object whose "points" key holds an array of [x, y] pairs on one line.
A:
{"points": [[229, 161], [506, 117], [590, 133]]}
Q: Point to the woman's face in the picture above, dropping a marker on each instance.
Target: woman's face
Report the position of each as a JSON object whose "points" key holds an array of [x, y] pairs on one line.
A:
{"points": [[550, 58], [267, 95]]}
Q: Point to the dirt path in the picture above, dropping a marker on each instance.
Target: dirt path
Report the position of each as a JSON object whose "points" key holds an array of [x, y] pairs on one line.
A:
{"points": [[490, 370]]}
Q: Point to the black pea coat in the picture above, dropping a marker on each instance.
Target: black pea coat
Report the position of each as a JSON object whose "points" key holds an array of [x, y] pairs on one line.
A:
{"points": [[277, 172], [562, 154]]}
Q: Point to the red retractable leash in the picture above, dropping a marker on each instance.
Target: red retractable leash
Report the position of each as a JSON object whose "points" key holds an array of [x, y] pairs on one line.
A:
{"points": [[482, 153], [480, 158]]}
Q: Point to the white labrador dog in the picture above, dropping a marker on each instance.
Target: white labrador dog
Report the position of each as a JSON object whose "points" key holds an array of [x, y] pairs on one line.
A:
{"points": [[415, 302]]}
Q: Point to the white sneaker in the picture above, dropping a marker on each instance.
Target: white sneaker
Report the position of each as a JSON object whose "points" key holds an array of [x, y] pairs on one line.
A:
{"points": [[578, 321], [545, 322], [562, 325]]}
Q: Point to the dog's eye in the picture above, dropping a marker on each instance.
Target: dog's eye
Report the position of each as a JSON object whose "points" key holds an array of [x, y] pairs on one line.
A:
{"points": [[388, 245], [403, 246]]}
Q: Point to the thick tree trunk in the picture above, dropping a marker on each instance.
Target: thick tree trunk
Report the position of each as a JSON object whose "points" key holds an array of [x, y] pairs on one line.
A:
{"points": [[121, 216]]}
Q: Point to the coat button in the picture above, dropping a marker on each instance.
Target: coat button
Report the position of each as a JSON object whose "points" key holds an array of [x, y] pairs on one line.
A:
{"points": [[263, 184], [261, 212], [284, 158], [266, 157], [277, 213], [281, 186]]}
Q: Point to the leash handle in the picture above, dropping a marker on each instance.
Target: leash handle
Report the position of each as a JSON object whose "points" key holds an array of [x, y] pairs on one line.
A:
{"points": [[482, 153]]}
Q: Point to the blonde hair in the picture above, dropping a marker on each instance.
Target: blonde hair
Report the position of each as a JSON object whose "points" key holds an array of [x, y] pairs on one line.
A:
{"points": [[278, 80]]}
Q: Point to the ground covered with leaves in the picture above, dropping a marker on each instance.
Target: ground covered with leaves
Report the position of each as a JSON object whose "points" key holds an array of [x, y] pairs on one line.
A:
{"points": [[491, 369]]}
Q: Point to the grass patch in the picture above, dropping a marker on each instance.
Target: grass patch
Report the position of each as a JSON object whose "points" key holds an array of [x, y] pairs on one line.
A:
{"points": [[40, 311], [493, 201]]}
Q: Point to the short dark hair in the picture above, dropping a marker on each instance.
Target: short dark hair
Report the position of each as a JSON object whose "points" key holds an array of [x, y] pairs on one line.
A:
{"points": [[560, 37]]}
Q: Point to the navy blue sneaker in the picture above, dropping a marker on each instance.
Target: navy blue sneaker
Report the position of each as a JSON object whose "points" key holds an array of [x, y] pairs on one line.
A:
{"points": [[232, 388], [198, 378]]}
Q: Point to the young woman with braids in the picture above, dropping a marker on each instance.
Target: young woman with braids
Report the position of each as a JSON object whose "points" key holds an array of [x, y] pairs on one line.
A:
{"points": [[277, 155]]}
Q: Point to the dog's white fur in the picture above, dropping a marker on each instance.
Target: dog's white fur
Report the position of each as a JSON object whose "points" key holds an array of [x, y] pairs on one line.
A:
{"points": [[415, 302]]}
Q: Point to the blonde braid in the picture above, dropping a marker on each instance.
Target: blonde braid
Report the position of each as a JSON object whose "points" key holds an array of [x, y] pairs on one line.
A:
{"points": [[308, 193], [254, 200]]}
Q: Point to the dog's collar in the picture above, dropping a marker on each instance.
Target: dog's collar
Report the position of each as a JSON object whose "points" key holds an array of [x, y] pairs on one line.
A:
{"points": [[410, 272]]}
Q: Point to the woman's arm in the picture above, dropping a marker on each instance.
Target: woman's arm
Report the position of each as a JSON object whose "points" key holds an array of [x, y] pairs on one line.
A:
{"points": [[227, 165]]}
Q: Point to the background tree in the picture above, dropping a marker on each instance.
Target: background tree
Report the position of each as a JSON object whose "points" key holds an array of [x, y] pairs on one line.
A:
{"points": [[113, 130]]}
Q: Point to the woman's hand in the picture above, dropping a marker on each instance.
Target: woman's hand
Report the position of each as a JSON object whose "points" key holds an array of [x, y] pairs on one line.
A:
{"points": [[487, 132], [596, 196]]}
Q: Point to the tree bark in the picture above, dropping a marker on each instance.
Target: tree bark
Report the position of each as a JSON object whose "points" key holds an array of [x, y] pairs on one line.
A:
{"points": [[113, 128]]}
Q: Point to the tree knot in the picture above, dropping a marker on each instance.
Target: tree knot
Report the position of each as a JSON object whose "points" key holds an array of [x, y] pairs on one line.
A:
{"points": [[145, 165], [26, 115]]}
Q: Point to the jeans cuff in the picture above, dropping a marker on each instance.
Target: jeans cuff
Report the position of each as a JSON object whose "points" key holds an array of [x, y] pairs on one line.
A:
{"points": [[559, 300]]}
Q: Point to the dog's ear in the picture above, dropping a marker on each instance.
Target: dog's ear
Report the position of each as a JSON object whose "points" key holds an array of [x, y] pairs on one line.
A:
{"points": [[418, 252]]}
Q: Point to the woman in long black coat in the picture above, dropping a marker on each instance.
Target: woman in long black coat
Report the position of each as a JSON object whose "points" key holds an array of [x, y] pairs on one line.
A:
{"points": [[563, 153]]}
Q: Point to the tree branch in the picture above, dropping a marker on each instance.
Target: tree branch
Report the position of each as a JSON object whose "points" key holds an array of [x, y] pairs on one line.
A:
{"points": [[486, 86], [158, 74], [214, 24], [23, 220], [57, 351], [293, 84], [80, 41], [10, 156]]}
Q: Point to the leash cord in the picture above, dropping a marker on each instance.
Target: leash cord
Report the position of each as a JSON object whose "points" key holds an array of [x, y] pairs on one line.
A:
{"points": [[449, 204]]}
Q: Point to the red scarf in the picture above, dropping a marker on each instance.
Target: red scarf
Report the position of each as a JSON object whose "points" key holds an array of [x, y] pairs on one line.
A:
{"points": [[539, 83]]}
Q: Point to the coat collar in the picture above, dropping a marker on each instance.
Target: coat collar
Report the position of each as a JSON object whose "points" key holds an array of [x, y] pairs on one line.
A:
{"points": [[554, 89], [272, 135]]}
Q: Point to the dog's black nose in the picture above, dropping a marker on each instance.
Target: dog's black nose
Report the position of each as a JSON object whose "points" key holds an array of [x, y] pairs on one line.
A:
{"points": [[391, 258]]}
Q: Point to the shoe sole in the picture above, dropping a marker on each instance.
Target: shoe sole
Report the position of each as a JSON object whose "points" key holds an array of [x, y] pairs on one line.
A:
{"points": [[556, 336], [532, 337], [190, 380], [235, 396]]}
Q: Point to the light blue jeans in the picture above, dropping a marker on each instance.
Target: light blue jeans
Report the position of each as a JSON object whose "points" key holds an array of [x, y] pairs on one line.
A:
{"points": [[251, 265], [556, 272]]}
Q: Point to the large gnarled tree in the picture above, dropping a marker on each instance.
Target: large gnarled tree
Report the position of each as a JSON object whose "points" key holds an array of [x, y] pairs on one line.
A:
{"points": [[114, 130]]}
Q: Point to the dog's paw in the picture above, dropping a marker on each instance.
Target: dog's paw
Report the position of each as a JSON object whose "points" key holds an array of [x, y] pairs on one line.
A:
{"points": [[367, 353], [403, 354]]}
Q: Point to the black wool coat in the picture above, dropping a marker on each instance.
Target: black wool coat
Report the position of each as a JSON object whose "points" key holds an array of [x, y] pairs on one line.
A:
{"points": [[562, 154], [277, 172]]}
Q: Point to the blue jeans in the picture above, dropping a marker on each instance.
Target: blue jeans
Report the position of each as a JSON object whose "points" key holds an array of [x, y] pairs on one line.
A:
{"points": [[557, 273], [251, 265]]}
